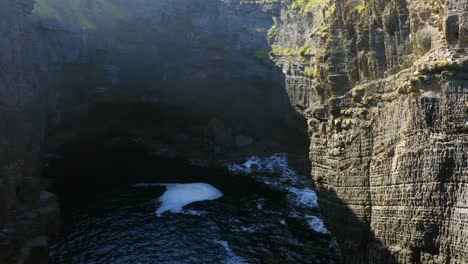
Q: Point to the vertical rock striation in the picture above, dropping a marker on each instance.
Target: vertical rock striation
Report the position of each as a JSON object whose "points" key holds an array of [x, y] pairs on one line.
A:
{"points": [[384, 87], [27, 213]]}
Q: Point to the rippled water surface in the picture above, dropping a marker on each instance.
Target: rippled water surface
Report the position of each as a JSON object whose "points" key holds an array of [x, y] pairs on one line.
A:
{"points": [[249, 223]]}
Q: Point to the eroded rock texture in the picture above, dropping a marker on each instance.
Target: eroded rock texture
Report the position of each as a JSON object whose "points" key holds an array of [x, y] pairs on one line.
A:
{"points": [[384, 87], [27, 213]]}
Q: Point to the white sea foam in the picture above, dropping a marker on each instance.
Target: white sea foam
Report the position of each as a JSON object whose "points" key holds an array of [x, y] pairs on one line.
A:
{"points": [[249, 229], [306, 196], [232, 258], [288, 180], [277, 163], [260, 204], [179, 195], [193, 212], [274, 171], [317, 224]]}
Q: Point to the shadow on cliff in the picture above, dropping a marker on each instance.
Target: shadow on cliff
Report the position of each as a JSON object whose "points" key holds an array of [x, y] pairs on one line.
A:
{"points": [[201, 76], [355, 238]]}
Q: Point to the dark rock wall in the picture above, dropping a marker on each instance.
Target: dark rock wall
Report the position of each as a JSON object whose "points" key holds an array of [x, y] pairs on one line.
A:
{"points": [[207, 61], [383, 86], [28, 214]]}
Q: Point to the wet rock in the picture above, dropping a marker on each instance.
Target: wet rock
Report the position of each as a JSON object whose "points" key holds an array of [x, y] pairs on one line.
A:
{"points": [[242, 141], [6, 248], [220, 135], [28, 190], [35, 251]]}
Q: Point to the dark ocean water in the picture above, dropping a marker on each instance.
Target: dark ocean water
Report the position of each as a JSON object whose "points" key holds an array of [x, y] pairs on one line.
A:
{"points": [[106, 219]]}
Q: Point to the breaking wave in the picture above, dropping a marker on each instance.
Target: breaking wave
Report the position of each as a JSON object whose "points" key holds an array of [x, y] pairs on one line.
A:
{"points": [[275, 172]]}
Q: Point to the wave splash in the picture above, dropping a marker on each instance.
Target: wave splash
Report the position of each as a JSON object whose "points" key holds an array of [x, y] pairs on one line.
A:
{"points": [[275, 172]]}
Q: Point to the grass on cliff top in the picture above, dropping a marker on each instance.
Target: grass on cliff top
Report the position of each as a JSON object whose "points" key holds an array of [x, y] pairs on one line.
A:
{"points": [[115, 11], [77, 12], [306, 6], [46, 9]]}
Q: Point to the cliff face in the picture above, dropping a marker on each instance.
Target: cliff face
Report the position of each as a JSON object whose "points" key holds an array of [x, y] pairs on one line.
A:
{"points": [[384, 88], [195, 73], [27, 213]]}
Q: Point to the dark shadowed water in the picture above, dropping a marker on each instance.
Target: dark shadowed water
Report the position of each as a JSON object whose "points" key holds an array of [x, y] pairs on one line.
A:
{"points": [[113, 221]]}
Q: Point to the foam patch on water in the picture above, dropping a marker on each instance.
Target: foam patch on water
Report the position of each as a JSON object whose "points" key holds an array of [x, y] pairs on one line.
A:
{"points": [[275, 172], [288, 181], [277, 163], [179, 195], [193, 212], [305, 196], [232, 258], [317, 224]]}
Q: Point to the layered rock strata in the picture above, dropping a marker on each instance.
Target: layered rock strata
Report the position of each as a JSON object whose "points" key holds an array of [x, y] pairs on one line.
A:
{"points": [[384, 88]]}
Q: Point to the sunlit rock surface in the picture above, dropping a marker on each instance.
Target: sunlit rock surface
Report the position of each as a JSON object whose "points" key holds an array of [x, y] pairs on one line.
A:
{"points": [[383, 85]]}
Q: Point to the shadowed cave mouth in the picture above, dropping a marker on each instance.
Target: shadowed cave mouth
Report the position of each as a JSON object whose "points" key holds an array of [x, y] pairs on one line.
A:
{"points": [[260, 211]]}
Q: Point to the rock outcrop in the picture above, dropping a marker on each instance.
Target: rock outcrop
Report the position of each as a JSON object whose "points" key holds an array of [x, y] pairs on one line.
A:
{"points": [[384, 88]]}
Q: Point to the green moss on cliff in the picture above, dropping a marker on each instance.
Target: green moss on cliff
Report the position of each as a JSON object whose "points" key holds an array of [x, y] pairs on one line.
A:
{"points": [[304, 5], [360, 9], [112, 9], [305, 50], [261, 54], [78, 12], [272, 32], [284, 51], [311, 72], [46, 9], [439, 63], [308, 6], [77, 15], [84, 22]]}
